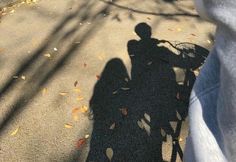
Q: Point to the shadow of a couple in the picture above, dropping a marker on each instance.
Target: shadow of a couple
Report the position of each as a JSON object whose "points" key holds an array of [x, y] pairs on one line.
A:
{"points": [[132, 116]]}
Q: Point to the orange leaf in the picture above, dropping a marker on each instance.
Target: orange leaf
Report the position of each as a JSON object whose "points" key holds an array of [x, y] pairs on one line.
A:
{"points": [[81, 142], [124, 111], [75, 114]]}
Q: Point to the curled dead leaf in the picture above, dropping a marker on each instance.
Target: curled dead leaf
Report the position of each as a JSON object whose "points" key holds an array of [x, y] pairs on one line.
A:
{"points": [[84, 109], [47, 55], [80, 98], [80, 143], [109, 153], [67, 125], [63, 93]]}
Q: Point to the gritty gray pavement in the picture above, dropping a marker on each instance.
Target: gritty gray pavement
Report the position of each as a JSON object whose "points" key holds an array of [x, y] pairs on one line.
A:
{"points": [[51, 55]]}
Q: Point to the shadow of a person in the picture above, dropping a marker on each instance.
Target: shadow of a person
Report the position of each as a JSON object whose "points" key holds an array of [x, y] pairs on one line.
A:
{"points": [[108, 97]]}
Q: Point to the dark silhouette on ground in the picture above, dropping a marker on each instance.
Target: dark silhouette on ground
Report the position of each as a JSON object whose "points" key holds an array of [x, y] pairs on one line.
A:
{"points": [[152, 98]]}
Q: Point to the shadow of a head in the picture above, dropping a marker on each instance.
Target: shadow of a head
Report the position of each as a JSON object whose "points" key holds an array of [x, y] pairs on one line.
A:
{"points": [[143, 30]]}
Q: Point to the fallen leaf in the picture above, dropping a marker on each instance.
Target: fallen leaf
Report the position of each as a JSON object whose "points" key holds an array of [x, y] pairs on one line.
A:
{"points": [[115, 92], [80, 98], [140, 124], [180, 139], [98, 77], [124, 111], [77, 90], [85, 65], [125, 88], [75, 83], [63, 93], [148, 18], [146, 127], [23, 77], [147, 117], [47, 55], [15, 131], [80, 143], [75, 115], [68, 126], [84, 109], [193, 34], [109, 153], [113, 126], [55, 49], [12, 11], [86, 136]]}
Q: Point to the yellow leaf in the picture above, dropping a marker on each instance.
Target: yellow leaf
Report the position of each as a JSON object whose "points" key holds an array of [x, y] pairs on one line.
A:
{"points": [[180, 139], [208, 41], [80, 98], [84, 109], [68, 126], [47, 55], [77, 90], [23, 77], [15, 132], [63, 93], [109, 153], [75, 114]]}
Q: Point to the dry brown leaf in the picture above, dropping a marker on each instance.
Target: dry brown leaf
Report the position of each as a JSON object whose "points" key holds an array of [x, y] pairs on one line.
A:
{"points": [[109, 153], [75, 83], [113, 126], [15, 132], [115, 92], [47, 55], [67, 125], [140, 124], [81, 142], [84, 109], [147, 117], [75, 115], [85, 65], [63, 93], [180, 139], [86, 136], [80, 98], [124, 111], [23, 77], [125, 88], [98, 77]]}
